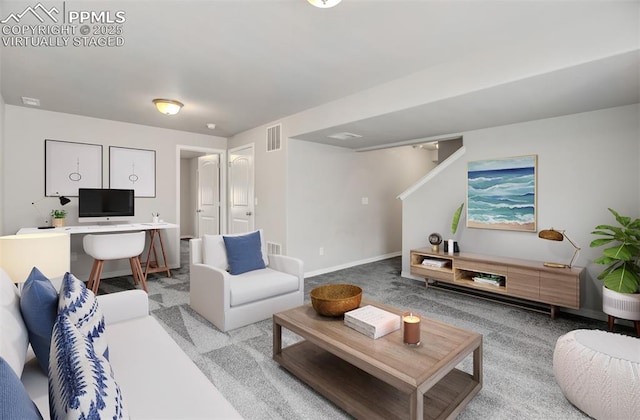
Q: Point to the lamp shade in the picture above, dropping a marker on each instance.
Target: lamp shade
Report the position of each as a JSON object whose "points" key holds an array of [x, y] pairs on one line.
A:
{"points": [[168, 106], [551, 235], [50, 252]]}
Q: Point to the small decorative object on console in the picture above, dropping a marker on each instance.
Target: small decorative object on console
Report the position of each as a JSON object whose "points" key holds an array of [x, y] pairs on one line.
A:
{"points": [[435, 239]]}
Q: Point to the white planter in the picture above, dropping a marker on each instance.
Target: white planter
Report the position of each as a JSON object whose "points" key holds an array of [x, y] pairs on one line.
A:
{"points": [[621, 305]]}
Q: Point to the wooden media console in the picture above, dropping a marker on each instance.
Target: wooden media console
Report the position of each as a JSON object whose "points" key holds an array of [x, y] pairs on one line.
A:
{"points": [[514, 278]]}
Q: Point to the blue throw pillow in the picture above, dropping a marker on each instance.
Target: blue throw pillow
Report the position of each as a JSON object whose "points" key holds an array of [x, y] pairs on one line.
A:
{"points": [[14, 399], [244, 253], [81, 382], [39, 307]]}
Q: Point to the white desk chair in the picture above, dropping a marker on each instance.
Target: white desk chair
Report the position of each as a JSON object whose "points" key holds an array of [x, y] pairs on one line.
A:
{"points": [[114, 247]]}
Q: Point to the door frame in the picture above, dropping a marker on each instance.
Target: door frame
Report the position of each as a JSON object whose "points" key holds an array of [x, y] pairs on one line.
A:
{"points": [[223, 179]]}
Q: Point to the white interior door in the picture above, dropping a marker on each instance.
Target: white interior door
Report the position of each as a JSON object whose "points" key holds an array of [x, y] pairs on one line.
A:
{"points": [[208, 209], [241, 190]]}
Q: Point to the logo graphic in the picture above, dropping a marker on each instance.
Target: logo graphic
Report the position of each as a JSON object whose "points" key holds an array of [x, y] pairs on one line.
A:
{"points": [[59, 26], [34, 11]]}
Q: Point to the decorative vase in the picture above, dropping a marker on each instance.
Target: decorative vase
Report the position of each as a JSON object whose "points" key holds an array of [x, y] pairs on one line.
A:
{"points": [[58, 222]]}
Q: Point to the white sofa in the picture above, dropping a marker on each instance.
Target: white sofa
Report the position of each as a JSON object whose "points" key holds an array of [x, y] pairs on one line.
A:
{"points": [[232, 301], [157, 379]]}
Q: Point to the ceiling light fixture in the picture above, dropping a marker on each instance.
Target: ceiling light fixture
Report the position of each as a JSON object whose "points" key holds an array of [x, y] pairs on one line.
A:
{"points": [[168, 106], [344, 136], [211, 126], [324, 4]]}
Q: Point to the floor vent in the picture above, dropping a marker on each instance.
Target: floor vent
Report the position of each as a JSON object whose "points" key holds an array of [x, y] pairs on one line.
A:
{"points": [[274, 138], [274, 248]]}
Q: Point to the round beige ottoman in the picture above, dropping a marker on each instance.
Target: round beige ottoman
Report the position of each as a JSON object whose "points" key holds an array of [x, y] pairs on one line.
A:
{"points": [[599, 372]]}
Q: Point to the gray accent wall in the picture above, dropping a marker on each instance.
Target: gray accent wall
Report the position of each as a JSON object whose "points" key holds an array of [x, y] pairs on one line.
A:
{"points": [[586, 163]]}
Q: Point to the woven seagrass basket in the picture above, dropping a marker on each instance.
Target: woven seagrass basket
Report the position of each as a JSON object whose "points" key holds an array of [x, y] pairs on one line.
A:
{"points": [[335, 299]]}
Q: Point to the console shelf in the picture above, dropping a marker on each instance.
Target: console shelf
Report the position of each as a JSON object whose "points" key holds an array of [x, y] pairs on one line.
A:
{"points": [[521, 279]]}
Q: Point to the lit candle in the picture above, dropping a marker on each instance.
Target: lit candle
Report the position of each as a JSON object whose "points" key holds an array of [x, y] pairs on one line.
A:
{"points": [[411, 324]]}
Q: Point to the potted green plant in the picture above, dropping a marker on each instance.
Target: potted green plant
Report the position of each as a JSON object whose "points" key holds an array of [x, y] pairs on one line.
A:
{"points": [[621, 276], [58, 217]]}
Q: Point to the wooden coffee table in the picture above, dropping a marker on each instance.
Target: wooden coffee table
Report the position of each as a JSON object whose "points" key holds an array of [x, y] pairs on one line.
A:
{"points": [[381, 378]]}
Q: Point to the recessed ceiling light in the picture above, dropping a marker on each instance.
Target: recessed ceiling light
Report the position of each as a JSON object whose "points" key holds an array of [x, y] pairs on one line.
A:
{"points": [[344, 136], [30, 101], [211, 126]]}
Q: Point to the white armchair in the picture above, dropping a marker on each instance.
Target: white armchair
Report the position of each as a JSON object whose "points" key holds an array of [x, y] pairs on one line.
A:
{"points": [[232, 301]]}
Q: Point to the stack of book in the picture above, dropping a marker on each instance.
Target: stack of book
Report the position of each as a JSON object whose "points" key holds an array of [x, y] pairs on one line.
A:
{"points": [[432, 262], [372, 321], [492, 279]]}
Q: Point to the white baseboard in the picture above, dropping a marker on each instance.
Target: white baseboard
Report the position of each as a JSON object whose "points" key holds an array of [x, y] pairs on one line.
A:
{"points": [[351, 264]]}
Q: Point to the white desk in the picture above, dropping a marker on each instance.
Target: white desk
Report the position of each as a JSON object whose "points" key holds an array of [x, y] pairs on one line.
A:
{"points": [[101, 228], [154, 229]]}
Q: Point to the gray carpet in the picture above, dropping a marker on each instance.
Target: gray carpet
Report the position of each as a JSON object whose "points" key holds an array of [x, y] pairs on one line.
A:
{"points": [[517, 362]]}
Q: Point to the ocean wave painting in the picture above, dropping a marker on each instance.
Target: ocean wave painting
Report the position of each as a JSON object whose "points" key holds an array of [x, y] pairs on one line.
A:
{"points": [[501, 193]]}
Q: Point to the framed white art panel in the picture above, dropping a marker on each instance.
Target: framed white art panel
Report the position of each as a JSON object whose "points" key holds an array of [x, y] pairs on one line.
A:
{"points": [[69, 166], [133, 169]]}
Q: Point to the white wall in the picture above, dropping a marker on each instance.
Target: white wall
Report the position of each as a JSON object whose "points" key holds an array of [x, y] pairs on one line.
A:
{"points": [[23, 159], [586, 163], [602, 29], [309, 196], [325, 210]]}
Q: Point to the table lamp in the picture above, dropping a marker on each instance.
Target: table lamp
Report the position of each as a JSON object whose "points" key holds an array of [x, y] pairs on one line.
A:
{"points": [[50, 252], [558, 235], [63, 202]]}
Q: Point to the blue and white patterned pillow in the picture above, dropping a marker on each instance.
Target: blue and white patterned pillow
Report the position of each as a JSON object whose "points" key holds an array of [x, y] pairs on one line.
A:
{"points": [[81, 383], [81, 305]]}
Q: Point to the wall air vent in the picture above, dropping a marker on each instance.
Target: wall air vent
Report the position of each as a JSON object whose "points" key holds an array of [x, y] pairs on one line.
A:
{"points": [[274, 138], [345, 136], [274, 248], [30, 101]]}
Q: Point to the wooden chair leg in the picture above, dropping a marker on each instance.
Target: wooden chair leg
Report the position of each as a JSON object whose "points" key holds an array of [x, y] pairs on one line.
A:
{"points": [[637, 324], [98, 274], [164, 255], [140, 274], [92, 275], [136, 280], [612, 321]]}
